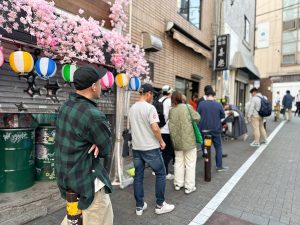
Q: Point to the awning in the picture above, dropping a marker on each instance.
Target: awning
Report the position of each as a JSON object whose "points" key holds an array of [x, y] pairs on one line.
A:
{"points": [[243, 62], [190, 43]]}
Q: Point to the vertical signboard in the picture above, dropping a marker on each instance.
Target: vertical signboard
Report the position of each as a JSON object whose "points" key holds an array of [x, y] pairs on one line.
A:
{"points": [[263, 35], [221, 53]]}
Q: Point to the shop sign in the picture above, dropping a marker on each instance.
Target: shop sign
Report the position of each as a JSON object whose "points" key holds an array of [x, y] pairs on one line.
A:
{"points": [[221, 52]]}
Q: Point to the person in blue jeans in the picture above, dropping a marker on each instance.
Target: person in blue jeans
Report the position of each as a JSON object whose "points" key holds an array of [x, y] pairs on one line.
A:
{"points": [[287, 103], [147, 144], [211, 113]]}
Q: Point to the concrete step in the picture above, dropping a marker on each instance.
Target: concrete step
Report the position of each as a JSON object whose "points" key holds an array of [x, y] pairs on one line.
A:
{"points": [[23, 206], [19, 219]]}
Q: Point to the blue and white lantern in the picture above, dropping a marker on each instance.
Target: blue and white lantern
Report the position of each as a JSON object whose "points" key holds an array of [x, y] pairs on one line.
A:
{"points": [[45, 68], [135, 83]]}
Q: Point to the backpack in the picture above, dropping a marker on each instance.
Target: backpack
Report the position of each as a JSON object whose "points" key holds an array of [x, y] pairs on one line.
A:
{"points": [[160, 111], [265, 108]]}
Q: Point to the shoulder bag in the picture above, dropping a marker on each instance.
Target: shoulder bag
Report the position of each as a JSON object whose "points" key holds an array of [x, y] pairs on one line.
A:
{"points": [[195, 128]]}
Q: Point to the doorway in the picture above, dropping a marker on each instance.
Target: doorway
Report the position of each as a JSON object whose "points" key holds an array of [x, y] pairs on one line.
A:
{"points": [[187, 87], [240, 90]]}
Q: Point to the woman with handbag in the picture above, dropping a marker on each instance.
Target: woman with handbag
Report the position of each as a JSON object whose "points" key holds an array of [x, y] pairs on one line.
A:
{"points": [[181, 119]]}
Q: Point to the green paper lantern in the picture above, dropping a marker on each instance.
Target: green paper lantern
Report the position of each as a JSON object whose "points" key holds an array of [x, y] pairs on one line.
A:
{"points": [[67, 72]]}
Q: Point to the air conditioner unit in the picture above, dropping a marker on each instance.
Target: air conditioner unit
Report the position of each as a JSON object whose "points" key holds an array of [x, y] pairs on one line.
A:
{"points": [[151, 42]]}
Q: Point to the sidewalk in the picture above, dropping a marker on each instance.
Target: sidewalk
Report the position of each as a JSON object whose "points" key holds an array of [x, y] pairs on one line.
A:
{"points": [[187, 206], [269, 193]]}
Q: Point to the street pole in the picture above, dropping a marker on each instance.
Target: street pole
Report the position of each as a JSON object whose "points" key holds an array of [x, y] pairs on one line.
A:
{"points": [[74, 215], [122, 104], [207, 158], [219, 22]]}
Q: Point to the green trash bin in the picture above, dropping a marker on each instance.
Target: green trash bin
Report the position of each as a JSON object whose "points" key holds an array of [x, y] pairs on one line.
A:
{"points": [[16, 159], [45, 151]]}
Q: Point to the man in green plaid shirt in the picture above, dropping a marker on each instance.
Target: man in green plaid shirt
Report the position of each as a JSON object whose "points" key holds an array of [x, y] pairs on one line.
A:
{"points": [[81, 129]]}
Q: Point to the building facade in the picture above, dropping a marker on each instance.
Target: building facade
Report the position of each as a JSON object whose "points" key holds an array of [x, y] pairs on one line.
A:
{"points": [[181, 33], [28, 102], [34, 95], [237, 19], [277, 52]]}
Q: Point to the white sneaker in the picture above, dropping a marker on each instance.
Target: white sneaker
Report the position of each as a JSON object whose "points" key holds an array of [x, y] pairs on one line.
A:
{"points": [[139, 210], [170, 176], [189, 191], [153, 173], [253, 144], [177, 188], [221, 169], [164, 208]]}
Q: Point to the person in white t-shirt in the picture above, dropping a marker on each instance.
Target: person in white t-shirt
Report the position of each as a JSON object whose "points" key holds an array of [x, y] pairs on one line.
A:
{"points": [[277, 106], [168, 153], [147, 144]]}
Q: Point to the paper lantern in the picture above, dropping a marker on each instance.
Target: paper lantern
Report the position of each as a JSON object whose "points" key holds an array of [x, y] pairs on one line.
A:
{"points": [[67, 72], [108, 80], [21, 62], [45, 68], [135, 83], [1, 57], [122, 80]]}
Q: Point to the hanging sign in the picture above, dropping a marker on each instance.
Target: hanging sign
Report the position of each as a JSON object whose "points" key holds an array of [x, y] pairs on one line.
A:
{"points": [[221, 52]]}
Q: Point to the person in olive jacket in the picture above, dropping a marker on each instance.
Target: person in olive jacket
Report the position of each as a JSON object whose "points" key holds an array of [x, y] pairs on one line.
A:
{"points": [[184, 142]]}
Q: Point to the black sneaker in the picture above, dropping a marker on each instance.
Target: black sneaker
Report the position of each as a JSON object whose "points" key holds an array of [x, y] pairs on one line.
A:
{"points": [[223, 168], [224, 155]]}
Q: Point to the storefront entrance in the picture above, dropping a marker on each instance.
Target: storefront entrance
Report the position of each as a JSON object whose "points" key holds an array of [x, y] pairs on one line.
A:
{"points": [[187, 87], [240, 90]]}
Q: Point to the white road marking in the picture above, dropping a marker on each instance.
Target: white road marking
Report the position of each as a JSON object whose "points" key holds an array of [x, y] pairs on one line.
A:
{"points": [[216, 201]]}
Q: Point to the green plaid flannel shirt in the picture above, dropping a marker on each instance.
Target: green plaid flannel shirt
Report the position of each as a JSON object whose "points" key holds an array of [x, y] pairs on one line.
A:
{"points": [[80, 124]]}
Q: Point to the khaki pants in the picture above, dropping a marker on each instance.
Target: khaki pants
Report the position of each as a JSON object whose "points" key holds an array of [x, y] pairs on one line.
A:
{"points": [[185, 168], [289, 111], [100, 212], [277, 110], [258, 129]]}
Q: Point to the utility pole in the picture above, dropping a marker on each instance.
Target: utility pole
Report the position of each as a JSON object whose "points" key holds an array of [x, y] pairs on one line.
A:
{"points": [[217, 75]]}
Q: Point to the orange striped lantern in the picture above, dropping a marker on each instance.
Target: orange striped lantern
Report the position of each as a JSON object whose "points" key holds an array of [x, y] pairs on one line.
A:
{"points": [[21, 62], [122, 80]]}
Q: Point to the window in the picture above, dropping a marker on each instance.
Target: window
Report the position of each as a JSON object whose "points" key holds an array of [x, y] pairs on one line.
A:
{"points": [[186, 87], [247, 30], [150, 76], [240, 100], [191, 11], [289, 2], [291, 32]]}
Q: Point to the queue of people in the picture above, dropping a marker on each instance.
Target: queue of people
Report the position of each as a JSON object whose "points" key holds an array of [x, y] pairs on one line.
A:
{"points": [[84, 136], [285, 105], [156, 145]]}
